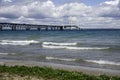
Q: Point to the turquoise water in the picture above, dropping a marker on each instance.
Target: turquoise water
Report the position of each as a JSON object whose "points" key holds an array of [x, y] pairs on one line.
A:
{"points": [[91, 48]]}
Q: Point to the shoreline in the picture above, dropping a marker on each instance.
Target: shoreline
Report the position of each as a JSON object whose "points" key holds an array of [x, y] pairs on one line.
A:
{"points": [[86, 70]]}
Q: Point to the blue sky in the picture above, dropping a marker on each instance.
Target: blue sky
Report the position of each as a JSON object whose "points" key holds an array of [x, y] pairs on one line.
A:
{"points": [[93, 2], [87, 2], [84, 13]]}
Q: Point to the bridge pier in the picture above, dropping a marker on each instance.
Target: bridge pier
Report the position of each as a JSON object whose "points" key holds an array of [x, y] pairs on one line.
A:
{"points": [[13, 28], [61, 28], [0, 28], [57, 28], [27, 28], [38, 29], [51, 28], [46, 28]]}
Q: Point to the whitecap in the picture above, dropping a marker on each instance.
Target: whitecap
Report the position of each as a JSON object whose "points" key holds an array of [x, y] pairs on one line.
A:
{"points": [[86, 48], [61, 59], [17, 42], [53, 47], [7, 53], [4, 53], [104, 62], [59, 44]]}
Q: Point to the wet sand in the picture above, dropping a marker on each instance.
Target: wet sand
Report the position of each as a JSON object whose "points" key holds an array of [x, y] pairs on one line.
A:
{"points": [[86, 70]]}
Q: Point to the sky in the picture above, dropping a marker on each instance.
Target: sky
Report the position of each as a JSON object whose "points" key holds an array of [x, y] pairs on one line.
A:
{"points": [[83, 13]]}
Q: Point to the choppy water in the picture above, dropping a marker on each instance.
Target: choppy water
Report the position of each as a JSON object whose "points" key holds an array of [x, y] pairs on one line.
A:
{"points": [[91, 48]]}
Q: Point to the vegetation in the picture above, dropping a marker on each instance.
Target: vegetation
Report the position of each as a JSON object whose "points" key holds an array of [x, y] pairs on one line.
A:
{"points": [[45, 73]]}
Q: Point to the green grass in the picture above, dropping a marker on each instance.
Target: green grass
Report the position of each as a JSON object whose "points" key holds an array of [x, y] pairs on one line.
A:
{"points": [[51, 74]]}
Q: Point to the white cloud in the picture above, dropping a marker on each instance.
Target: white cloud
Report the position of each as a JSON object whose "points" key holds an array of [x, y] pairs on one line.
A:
{"points": [[9, 12], [25, 10], [41, 9], [106, 14], [7, 0], [112, 2], [109, 9]]}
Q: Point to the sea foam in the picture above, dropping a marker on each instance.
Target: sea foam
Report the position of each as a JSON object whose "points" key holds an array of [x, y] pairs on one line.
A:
{"points": [[17, 42], [59, 44], [7, 53], [104, 62], [69, 46], [53, 47], [73, 48], [86, 48], [61, 59], [101, 62], [4, 53]]}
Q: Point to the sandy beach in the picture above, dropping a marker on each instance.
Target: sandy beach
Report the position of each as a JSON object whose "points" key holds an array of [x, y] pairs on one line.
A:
{"points": [[86, 70]]}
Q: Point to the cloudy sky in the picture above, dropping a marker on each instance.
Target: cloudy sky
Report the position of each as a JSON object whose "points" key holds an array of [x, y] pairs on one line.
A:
{"points": [[84, 13]]}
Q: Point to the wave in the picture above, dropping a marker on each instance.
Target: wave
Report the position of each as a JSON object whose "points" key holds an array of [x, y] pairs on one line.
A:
{"points": [[17, 42], [104, 62], [59, 44], [74, 48], [87, 48], [61, 59], [4, 53], [7, 53], [53, 47]]}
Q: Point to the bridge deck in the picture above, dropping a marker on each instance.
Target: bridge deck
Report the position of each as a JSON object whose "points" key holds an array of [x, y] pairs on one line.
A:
{"points": [[13, 26]]}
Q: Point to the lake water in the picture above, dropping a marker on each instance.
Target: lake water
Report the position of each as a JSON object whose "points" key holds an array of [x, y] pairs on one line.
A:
{"points": [[89, 48]]}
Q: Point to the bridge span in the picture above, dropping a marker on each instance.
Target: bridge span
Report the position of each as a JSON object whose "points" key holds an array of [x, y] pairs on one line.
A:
{"points": [[16, 26]]}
